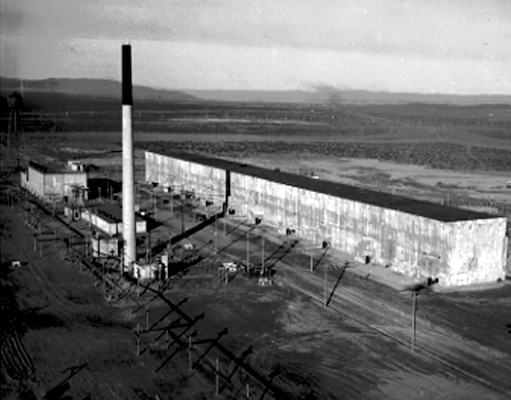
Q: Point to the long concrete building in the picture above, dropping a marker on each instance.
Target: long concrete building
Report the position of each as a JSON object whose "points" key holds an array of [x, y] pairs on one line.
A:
{"points": [[416, 238]]}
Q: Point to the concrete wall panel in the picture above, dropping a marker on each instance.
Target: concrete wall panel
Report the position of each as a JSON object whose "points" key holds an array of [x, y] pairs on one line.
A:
{"points": [[477, 251], [208, 183], [35, 182]]}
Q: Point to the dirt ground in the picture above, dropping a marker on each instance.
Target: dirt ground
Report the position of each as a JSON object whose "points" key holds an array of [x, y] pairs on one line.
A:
{"points": [[64, 323]]}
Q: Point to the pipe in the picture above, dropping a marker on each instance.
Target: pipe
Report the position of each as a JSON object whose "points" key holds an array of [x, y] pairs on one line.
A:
{"points": [[128, 200]]}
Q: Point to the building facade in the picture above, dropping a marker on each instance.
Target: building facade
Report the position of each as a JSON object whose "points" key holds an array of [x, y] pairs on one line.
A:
{"points": [[416, 238], [52, 183], [106, 246]]}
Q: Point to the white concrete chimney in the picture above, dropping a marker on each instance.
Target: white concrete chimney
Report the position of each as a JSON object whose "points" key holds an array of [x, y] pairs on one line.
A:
{"points": [[128, 187]]}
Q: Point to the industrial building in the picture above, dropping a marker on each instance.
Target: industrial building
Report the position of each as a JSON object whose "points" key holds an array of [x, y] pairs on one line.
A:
{"points": [[107, 217], [54, 182], [416, 238]]}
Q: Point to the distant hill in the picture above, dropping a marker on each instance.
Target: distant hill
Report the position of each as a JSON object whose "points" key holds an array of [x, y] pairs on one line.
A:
{"points": [[334, 96], [91, 87], [109, 89]]}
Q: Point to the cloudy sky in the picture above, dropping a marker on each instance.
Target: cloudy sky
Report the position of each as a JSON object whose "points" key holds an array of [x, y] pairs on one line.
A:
{"points": [[427, 46]]}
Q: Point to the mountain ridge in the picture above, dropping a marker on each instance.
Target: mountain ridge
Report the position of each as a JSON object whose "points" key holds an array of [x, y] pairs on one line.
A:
{"points": [[108, 88], [334, 96]]}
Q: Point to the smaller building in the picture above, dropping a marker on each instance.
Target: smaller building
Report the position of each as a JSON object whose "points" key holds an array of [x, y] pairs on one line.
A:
{"points": [[147, 271], [106, 246], [75, 165], [107, 217], [55, 182]]}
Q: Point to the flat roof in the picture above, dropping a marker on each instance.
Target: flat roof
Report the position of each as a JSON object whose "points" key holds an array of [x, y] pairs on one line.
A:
{"points": [[385, 200], [52, 168], [110, 212]]}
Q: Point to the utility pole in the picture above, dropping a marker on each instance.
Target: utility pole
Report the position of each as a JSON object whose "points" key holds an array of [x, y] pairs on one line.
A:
{"points": [[216, 235], [182, 212], [148, 254], [15, 102], [103, 273], [146, 317], [311, 261], [262, 253], [99, 246], [324, 284], [138, 340], [121, 267], [414, 312], [217, 378], [248, 250], [190, 365]]}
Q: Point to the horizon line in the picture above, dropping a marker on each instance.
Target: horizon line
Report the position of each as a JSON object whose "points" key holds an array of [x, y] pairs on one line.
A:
{"points": [[326, 90]]}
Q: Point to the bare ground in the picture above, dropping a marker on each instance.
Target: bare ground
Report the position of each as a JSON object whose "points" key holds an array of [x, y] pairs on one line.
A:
{"points": [[330, 353]]}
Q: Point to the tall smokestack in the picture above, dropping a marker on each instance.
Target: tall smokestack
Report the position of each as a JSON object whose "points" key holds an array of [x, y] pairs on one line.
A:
{"points": [[128, 198]]}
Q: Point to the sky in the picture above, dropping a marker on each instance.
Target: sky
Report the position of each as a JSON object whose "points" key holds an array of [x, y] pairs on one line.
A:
{"points": [[421, 46]]}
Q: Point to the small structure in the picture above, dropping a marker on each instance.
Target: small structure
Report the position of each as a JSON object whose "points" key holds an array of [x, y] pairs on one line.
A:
{"points": [[54, 182], [73, 212], [106, 246], [108, 218], [79, 195], [146, 272], [231, 266], [265, 281], [163, 263], [75, 166]]}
